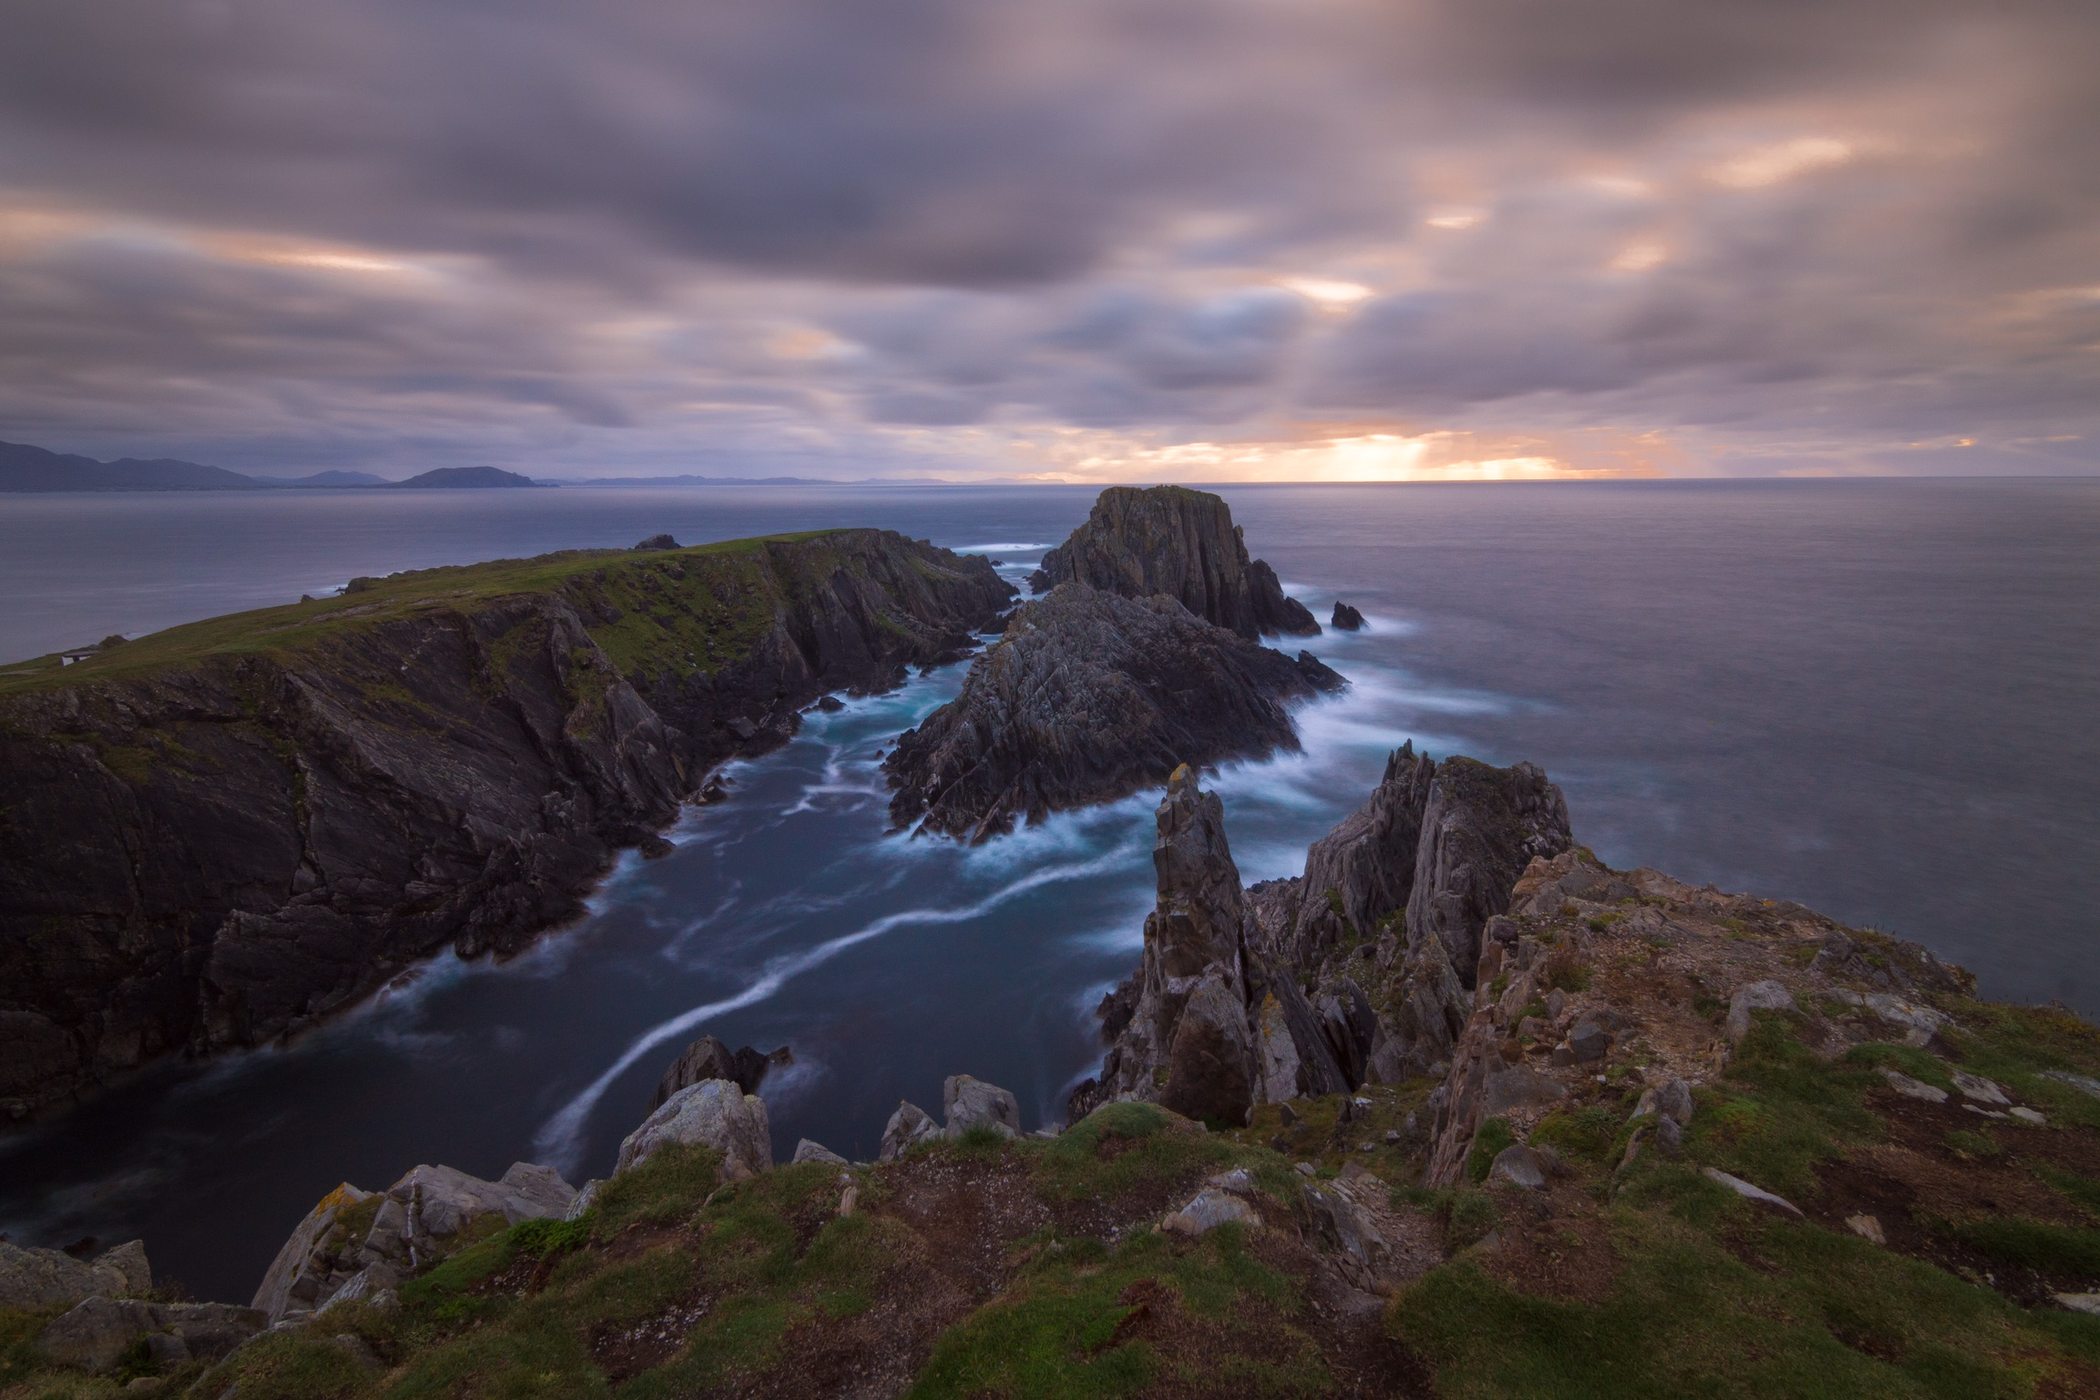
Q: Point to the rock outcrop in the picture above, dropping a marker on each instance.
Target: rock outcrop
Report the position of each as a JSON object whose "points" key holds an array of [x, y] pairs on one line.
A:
{"points": [[216, 835], [1358, 971], [1392, 905], [366, 1243], [708, 1058], [101, 1333], [1139, 542], [34, 1279], [713, 1113], [1346, 618], [967, 1103], [1090, 696], [1204, 1027], [1537, 1029]]}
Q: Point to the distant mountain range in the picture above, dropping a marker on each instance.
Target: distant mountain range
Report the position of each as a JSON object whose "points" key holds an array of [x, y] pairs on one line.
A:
{"points": [[26, 468], [690, 480]]}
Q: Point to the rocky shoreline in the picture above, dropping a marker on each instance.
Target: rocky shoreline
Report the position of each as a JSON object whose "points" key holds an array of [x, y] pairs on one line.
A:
{"points": [[1395, 1126], [213, 837]]}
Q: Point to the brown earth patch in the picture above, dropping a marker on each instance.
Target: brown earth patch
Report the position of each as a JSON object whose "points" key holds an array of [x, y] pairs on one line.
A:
{"points": [[627, 1349], [1556, 1246]]}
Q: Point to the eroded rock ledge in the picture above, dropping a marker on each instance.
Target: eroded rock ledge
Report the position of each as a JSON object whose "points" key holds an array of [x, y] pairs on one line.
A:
{"points": [[215, 835]]}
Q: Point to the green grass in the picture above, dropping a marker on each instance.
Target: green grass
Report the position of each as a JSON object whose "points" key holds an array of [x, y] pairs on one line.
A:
{"points": [[645, 616], [1779, 1110], [1122, 1148], [1488, 1142], [1056, 1335], [1820, 1315]]}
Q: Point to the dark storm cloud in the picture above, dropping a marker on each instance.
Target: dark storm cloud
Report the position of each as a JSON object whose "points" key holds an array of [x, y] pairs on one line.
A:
{"points": [[1803, 228]]}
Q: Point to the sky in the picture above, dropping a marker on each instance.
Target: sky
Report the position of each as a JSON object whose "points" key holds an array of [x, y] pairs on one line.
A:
{"points": [[1207, 240]]}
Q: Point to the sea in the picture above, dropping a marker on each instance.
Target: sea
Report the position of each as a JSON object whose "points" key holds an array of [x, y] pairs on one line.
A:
{"points": [[1878, 697]]}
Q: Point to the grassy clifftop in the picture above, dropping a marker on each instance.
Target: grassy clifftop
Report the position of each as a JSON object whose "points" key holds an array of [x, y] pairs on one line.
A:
{"points": [[618, 581], [1929, 1238]]}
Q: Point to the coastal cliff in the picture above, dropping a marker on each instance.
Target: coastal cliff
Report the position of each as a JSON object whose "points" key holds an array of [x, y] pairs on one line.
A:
{"points": [[214, 835], [1684, 1142], [1169, 539]]}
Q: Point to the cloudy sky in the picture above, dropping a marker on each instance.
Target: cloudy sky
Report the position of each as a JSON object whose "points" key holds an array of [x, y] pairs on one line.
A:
{"points": [[1155, 239]]}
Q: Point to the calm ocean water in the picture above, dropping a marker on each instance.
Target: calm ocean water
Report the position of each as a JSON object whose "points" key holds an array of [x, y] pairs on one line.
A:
{"points": [[1878, 698]]}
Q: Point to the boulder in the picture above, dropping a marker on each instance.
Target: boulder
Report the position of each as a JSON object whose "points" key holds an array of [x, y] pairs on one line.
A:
{"points": [[830, 704], [1346, 618], [1207, 1210], [1519, 1166], [1671, 1099], [1588, 1042], [1210, 1061], [1913, 1088], [708, 1058], [714, 1113], [807, 1151], [1757, 996], [1141, 542], [586, 1197], [908, 1126], [969, 1102], [98, 1333], [1976, 1087], [33, 1279], [1518, 1086]]}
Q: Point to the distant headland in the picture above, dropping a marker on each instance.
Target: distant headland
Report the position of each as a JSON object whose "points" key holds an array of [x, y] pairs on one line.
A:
{"points": [[27, 468]]}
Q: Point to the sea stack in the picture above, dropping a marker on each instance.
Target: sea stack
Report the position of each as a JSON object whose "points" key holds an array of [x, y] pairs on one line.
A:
{"points": [[1172, 540]]}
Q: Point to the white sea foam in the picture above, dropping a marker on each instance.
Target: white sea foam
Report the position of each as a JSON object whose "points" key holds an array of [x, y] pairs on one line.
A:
{"points": [[560, 1138]]}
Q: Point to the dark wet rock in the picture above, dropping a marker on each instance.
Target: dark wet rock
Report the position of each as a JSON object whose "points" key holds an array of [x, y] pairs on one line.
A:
{"points": [[1346, 618], [708, 1058], [216, 852], [1169, 539], [830, 704], [1089, 697], [658, 542]]}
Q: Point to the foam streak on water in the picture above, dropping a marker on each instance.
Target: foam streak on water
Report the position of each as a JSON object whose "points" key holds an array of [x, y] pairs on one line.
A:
{"points": [[1868, 696]]}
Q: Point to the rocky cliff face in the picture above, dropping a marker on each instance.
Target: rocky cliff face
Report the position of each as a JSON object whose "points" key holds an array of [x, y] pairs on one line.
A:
{"points": [[1688, 1143], [1357, 972], [1204, 1027], [1171, 540], [1090, 696], [213, 836]]}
